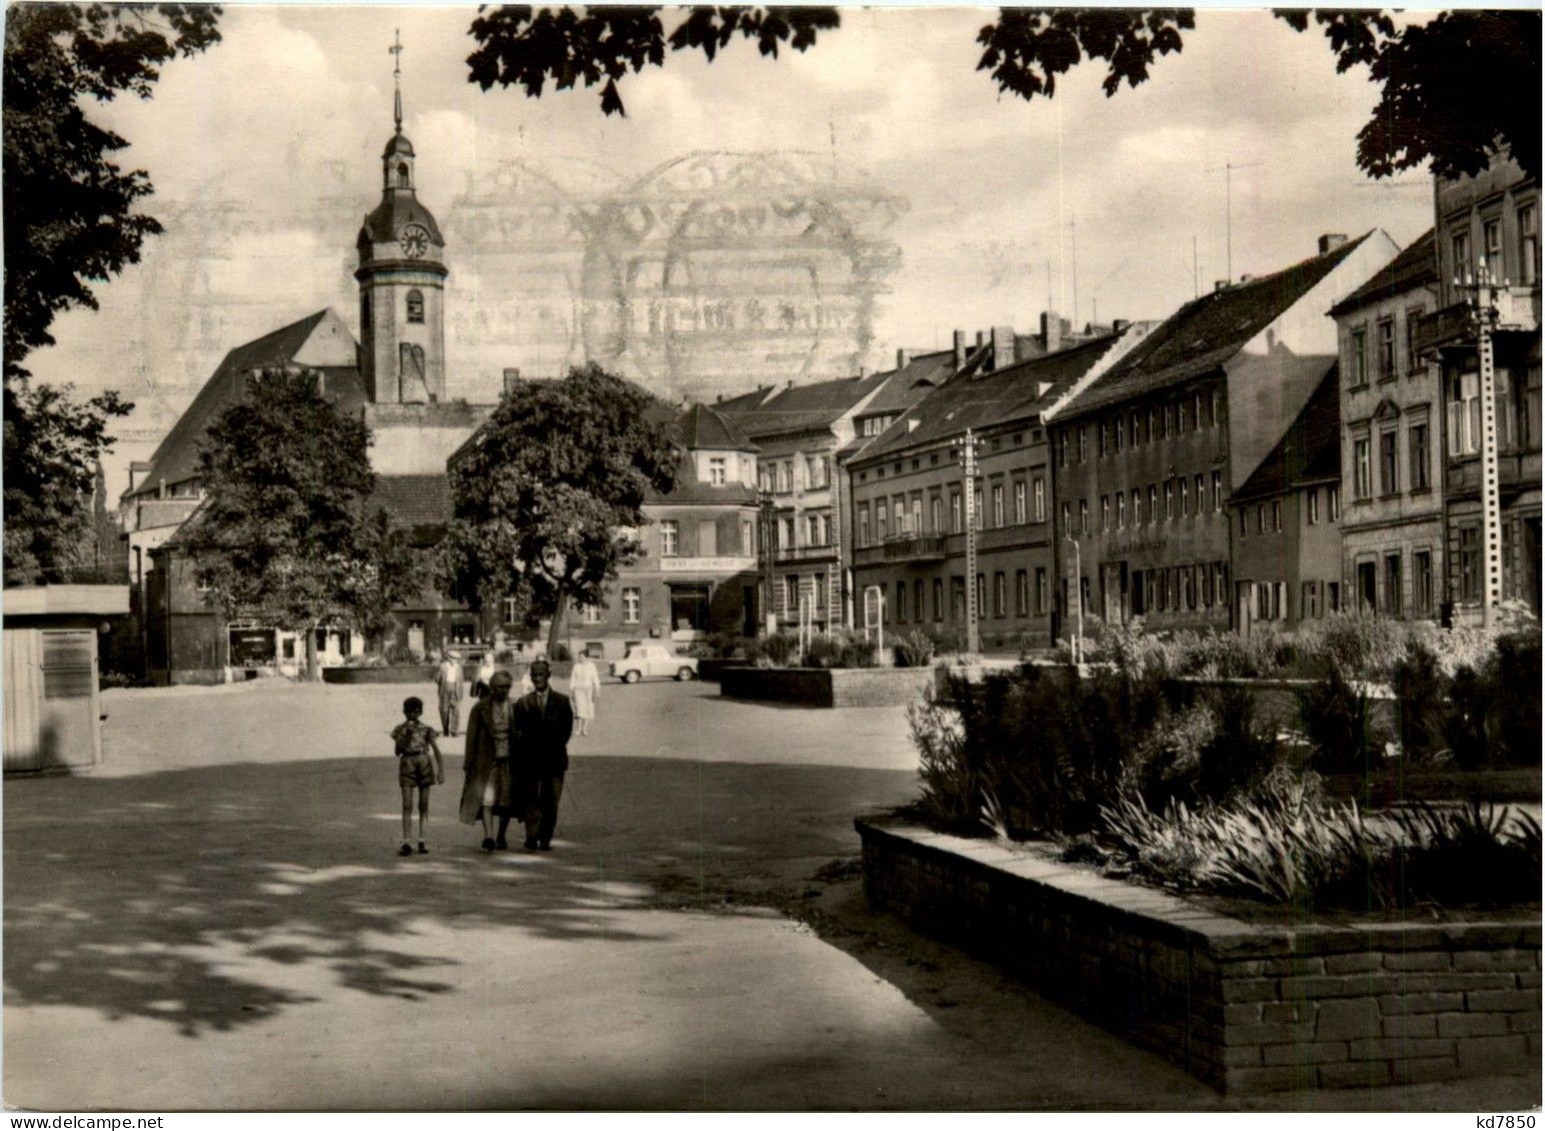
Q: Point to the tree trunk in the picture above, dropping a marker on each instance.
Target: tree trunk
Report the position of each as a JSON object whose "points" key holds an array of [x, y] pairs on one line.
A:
{"points": [[313, 669], [556, 632]]}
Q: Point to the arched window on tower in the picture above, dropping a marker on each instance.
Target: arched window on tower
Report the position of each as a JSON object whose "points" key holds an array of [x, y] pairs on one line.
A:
{"points": [[415, 306], [402, 175]]}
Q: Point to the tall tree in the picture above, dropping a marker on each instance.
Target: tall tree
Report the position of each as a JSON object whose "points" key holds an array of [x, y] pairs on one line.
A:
{"points": [[546, 495], [282, 534], [1455, 90], [70, 220]]}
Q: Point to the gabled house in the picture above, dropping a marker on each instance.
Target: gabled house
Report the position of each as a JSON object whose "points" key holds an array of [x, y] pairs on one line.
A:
{"points": [[802, 433], [1391, 489], [1147, 456]]}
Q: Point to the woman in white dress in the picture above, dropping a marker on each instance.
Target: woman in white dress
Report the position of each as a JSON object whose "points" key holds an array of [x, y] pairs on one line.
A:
{"points": [[584, 687]]}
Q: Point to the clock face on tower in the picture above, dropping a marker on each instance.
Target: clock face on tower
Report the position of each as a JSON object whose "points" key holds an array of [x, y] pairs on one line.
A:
{"points": [[414, 239]]}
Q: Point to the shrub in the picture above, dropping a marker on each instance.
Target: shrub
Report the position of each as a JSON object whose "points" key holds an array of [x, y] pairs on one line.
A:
{"points": [[914, 650], [561, 653], [1356, 643], [771, 651], [1283, 845], [1516, 704], [951, 796], [1337, 716], [1239, 752], [1421, 693]]}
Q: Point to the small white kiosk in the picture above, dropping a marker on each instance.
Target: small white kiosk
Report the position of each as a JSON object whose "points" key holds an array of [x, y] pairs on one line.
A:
{"points": [[52, 707]]}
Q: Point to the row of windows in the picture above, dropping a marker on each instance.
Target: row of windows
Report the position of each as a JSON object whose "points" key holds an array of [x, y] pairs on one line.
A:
{"points": [[794, 586], [1517, 408], [904, 516], [1385, 363], [1029, 596], [1522, 268], [1418, 460], [1381, 584], [1179, 588], [778, 477], [707, 537], [1137, 427], [1182, 497], [1268, 515]]}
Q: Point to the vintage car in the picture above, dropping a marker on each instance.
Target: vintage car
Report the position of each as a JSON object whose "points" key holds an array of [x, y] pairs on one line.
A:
{"points": [[653, 660]]}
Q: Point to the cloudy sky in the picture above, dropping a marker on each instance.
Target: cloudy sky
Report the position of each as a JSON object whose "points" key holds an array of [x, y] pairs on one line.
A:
{"points": [[264, 153]]}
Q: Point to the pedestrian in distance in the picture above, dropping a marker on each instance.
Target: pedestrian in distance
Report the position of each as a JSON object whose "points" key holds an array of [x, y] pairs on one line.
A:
{"points": [[584, 689], [544, 720], [448, 686], [485, 673], [416, 770], [488, 791]]}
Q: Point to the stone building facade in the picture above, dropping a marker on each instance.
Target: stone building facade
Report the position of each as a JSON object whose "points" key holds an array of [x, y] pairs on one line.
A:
{"points": [[1391, 441], [1492, 220], [1147, 457]]}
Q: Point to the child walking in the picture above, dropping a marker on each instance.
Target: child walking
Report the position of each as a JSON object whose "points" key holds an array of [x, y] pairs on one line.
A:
{"points": [[416, 770]]}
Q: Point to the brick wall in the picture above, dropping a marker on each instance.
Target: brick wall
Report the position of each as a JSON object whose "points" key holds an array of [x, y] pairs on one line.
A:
{"points": [[819, 687], [1245, 1007]]}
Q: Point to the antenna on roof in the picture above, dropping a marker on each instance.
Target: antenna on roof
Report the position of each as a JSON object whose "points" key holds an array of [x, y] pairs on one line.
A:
{"points": [[1228, 168]]}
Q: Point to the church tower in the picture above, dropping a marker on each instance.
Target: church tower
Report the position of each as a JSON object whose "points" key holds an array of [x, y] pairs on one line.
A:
{"points": [[401, 278]]}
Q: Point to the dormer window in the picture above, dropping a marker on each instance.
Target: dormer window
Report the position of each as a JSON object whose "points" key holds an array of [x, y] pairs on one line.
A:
{"points": [[415, 306], [402, 176]]}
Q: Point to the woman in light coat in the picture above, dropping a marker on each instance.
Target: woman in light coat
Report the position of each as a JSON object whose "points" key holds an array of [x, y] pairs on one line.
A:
{"points": [[584, 688]]}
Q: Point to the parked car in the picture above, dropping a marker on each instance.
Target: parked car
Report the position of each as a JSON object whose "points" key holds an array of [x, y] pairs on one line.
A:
{"points": [[653, 660]]}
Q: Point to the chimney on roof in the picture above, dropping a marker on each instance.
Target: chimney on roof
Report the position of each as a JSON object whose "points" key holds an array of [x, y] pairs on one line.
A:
{"points": [[1245, 278], [903, 358], [1219, 285], [960, 349], [511, 377], [1330, 241], [1002, 346], [1051, 331], [1119, 325]]}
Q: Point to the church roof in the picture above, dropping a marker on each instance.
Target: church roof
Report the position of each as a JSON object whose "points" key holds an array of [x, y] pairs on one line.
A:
{"points": [[176, 458], [398, 207], [399, 145]]}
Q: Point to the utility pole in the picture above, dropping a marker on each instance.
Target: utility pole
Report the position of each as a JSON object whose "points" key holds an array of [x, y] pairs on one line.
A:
{"points": [[1482, 290], [968, 459], [765, 505]]}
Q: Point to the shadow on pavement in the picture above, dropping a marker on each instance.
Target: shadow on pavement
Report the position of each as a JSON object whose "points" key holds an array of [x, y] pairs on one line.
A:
{"points": [[185, 895]]}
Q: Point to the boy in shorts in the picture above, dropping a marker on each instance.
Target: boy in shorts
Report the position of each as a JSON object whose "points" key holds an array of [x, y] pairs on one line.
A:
{"points": [[416, 770]]}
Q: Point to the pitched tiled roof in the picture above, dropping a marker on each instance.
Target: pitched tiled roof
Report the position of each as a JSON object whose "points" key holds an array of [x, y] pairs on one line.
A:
{"points": [[977, 401], [414, 500], [798, 408], [1205, 333], [176, 458], [702, 426], [912, 381], [1414, 267], [1309, 452]]}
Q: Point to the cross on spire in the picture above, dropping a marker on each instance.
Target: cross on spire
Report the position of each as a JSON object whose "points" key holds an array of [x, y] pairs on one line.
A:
{"points": [[396, 52]]}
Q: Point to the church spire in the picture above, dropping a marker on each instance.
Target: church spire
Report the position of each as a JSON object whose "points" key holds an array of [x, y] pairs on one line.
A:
{"points": [[396, 51]]}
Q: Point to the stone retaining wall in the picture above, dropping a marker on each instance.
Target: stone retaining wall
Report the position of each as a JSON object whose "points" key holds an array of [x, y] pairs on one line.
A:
{"points": [[821, 687], [1245, 1007]]}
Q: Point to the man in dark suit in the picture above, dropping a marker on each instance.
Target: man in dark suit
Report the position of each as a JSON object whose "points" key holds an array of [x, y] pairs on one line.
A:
{"points": [[543, 722]]}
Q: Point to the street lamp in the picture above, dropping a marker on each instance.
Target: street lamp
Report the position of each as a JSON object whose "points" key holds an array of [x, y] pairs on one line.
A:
{"points": [[1076, 597]]}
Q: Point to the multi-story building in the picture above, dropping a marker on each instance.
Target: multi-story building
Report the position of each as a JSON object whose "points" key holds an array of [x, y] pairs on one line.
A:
{"points": [[1147, 456], [909, 506], [801, 431], [698, 569], [1286, 560], [1391, 449], [1489, 224]]}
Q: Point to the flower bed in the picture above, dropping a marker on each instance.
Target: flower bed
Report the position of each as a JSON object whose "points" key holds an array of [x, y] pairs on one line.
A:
{"points": [[1245, 1006]]}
